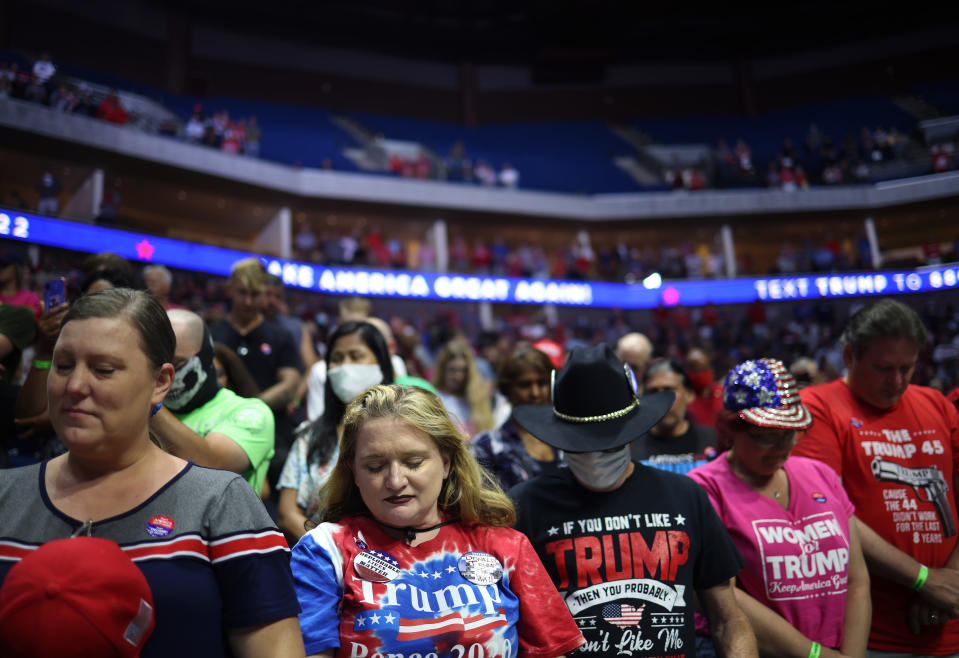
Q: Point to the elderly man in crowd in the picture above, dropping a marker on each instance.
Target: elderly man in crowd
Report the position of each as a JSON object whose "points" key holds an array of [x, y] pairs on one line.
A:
{"points": [[675, 443], [159, 280], [635, 350]]}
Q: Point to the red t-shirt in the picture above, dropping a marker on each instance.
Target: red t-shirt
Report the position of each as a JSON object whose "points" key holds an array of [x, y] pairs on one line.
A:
{"points": [[705, 407], [874, 451], [953, 396]]}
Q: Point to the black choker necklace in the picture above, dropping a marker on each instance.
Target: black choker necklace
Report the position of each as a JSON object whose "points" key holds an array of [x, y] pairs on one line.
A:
{"points": [[411, 532]]}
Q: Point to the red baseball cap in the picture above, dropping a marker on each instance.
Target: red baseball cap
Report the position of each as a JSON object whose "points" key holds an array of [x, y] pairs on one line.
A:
{"points": [[553, 350], [75, 597]]}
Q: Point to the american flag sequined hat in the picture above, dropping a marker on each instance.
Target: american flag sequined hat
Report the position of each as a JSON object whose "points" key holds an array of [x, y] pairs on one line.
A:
{"points": [[765, 394]]}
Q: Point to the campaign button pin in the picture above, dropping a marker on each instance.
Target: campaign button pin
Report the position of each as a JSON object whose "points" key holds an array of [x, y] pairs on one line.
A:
{"points": [[160, 526], [480, 568], [819, 497], [376, 566], [360, 543]]}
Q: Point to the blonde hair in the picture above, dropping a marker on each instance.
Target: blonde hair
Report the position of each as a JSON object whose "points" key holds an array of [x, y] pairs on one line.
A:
{"points": [[355, 308], [251, 273], [476, 393], [469, 493]]}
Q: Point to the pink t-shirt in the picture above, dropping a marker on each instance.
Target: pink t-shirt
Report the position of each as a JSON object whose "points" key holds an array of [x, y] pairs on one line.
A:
{"points": [[26, 298], [797, 559]]}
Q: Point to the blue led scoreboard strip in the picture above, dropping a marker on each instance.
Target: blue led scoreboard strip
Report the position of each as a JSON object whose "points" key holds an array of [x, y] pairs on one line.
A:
{"points": [[138, 247]]}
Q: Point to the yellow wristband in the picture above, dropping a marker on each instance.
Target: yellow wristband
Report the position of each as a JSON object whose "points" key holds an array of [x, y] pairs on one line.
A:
{"points": [[41, 365]]}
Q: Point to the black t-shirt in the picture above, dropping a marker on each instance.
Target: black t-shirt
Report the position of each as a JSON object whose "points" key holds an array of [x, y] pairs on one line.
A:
{"points": [[679, 454], [627, 561], [266, 349]]}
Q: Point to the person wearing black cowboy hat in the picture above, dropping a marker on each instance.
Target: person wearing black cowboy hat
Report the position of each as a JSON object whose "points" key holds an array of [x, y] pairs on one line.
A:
{"points": [[625, 544]]}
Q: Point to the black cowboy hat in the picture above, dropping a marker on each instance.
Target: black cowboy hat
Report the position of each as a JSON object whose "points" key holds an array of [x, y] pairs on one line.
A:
{"points": [[595, 405]]}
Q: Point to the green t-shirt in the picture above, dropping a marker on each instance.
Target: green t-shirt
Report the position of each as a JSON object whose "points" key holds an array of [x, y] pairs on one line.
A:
{"points": [[248, 421]]}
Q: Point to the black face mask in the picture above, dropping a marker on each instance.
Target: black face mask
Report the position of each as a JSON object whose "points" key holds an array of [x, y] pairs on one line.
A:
{"points": [[194, 383]]}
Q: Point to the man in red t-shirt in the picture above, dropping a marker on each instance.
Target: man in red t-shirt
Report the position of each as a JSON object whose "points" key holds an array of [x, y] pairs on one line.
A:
{"points": [[896, 446], [709, 393]]}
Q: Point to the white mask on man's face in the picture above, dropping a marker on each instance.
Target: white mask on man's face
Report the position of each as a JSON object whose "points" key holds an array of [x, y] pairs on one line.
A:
{"points": [[351, 379], [599, 470]]}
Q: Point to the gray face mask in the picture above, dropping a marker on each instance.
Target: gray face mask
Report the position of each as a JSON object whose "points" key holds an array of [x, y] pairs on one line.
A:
{"points": [[598, 470]]}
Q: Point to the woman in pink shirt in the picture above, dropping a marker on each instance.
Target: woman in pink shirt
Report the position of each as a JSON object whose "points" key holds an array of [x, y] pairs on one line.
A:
{"points": [[11, 283], [805, 586]]}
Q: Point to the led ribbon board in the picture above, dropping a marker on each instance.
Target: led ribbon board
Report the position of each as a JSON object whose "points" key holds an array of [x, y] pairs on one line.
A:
{"points": [[138, 247]]}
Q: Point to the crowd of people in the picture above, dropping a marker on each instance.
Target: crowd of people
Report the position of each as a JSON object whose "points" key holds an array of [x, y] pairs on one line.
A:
{"points": [[219, 131], [581, 259], [457, 167], [609, 497], [820, 161], [786, 331], [43, 85], [501, 257]]}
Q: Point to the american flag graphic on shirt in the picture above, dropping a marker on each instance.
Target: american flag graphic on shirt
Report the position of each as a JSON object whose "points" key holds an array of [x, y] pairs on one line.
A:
{"points": [[466, 626], [428, 607], [623, 615]]}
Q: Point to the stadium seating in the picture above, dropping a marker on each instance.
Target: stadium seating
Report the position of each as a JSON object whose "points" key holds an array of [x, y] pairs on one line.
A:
{"points": [[571, 157]]}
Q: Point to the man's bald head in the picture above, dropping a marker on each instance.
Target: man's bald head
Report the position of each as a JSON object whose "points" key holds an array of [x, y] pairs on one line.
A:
{"points": [[195, 383], [636, 350], [188, 327], [384, 329], [697, 360]]}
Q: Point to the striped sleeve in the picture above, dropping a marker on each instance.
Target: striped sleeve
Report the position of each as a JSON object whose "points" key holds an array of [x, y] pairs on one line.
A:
{"points": [[250, 558]]}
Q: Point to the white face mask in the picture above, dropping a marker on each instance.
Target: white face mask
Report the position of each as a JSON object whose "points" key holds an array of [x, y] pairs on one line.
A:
{"points": [[351, 379], [598, 470]]}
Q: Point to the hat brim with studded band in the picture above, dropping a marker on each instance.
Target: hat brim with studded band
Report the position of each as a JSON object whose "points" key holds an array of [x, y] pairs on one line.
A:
{"points": [[765, 394], [595, 405]]}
